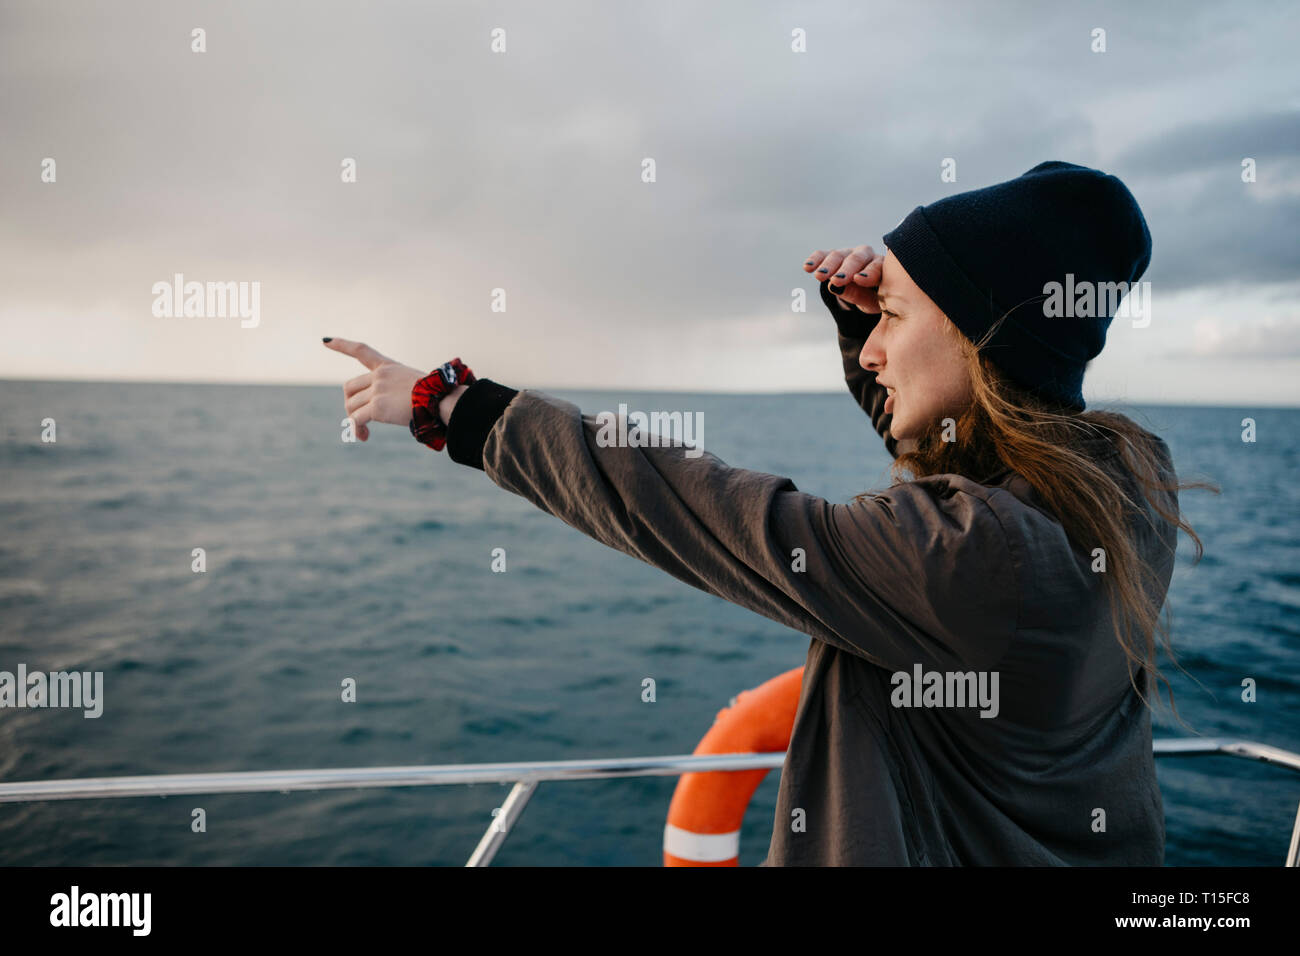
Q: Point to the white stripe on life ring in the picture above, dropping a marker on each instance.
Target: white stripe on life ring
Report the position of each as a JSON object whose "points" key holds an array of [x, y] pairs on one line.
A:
{"points": [[701, 847]]}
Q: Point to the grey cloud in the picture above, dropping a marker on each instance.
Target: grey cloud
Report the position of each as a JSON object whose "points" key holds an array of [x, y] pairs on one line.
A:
{"points": [[1268, 339], [1217, 143], [477, 170]]}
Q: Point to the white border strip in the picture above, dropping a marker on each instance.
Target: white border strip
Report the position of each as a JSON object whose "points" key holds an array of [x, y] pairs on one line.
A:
{"points": [[701, 847]]}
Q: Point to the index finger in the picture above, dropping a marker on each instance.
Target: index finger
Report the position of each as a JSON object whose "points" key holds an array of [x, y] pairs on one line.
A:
{"points": [[358, 350]]}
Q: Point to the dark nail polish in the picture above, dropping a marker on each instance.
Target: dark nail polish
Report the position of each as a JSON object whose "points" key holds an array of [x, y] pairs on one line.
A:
{"points": [[823, 270], [328, 338], [839, 275], [837, 289], [808, 263]]}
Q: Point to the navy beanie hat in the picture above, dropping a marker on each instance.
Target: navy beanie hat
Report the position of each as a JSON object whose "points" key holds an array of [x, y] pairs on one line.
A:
{"points": [[988, 252]]}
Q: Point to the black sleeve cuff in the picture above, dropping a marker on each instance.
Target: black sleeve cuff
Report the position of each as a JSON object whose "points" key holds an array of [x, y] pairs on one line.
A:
{"points": [[852, 322], [476, 412]]}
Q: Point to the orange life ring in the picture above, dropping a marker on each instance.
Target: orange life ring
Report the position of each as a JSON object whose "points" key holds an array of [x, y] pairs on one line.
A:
{"points": [[704, 818]]}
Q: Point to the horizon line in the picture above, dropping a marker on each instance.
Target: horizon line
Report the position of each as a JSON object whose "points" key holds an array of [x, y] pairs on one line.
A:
{"points": [[575, 388]]}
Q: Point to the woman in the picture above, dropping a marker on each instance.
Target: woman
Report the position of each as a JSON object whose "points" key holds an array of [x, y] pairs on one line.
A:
{"points": [[983, 635]]}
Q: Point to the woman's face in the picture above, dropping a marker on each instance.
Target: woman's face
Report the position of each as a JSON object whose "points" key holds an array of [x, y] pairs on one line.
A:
{"points": [[911, 354]]}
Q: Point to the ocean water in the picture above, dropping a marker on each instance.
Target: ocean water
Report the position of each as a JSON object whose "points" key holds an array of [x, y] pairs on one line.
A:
{"points": [[328, 560]]}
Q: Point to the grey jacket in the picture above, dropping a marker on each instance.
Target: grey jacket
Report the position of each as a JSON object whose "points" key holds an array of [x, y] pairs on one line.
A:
{"points": [[943, 580]]}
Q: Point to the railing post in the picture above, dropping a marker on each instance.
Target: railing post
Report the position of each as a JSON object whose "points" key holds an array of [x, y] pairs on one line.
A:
{"points": [[1293, 854], [499, 828]]}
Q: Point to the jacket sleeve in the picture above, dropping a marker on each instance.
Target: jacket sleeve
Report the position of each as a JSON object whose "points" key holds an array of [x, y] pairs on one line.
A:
{"points": [[921, 573], [853, 327]]}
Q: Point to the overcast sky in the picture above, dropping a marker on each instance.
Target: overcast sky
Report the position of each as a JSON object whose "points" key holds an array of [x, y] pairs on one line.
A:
{"points": [[522, 171]]}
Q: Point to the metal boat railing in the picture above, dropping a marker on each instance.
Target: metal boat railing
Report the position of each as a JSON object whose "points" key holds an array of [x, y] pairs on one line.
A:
{"points": [[525, 777]]}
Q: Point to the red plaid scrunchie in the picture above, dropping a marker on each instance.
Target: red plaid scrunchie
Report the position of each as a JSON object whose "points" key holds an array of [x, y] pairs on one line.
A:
{"points": [[426, 424]]}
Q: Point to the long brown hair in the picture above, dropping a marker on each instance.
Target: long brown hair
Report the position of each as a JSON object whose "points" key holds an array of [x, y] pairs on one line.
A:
{"points": [[1005, 427]]}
